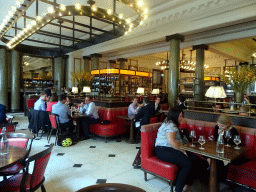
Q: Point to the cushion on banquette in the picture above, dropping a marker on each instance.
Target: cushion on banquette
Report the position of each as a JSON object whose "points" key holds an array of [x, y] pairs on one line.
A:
{"points": [[116, 126], [149, 161], [31, 103]]}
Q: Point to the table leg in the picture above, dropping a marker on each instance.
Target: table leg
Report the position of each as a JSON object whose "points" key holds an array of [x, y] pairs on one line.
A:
{"points": [[137, 160], [213, 182], [131, 139]]}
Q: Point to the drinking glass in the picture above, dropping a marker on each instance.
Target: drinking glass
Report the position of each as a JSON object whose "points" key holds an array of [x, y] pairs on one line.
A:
{"points": [[201, 141], [228, 136], [192, 135], [237, 141]]}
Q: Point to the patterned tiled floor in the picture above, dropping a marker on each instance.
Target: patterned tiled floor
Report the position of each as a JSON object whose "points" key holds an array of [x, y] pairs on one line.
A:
{"points": [[92, 162]]}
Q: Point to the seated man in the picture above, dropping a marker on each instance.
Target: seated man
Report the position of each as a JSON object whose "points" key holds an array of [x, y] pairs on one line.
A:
{"points": [[91, 111], [133, 108], [40, 103], [180, 101], [64, 114], [157, 104]]}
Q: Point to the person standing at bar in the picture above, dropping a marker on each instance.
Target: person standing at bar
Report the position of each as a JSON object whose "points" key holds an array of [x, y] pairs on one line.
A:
{"points": [[40, 103], [91, 111]]}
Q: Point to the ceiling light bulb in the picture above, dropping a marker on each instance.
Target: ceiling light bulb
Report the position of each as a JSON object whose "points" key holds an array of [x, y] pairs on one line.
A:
{"points": [[128, 20], [18, 3], [14, 9], [120, 16], [140, 3], [29, 26], [131, 25], [145, 11], [109, 11], [38, 18], [25, 30], [7, 17], [78, 6], [60, 14], [141, 23], [33, 23], [94, 8], [130, 30], [5, 21], [50, 10], [126, 33], [10, 13], [62, 7], [145, 16]]}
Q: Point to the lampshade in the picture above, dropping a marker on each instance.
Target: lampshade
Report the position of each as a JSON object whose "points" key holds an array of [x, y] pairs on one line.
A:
{"points": [[155, 91], [74, 90], [216, 92], [87, 89], [140, 90]]}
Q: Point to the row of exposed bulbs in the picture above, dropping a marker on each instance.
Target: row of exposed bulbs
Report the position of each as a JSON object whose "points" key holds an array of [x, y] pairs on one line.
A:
{"points": [[11, 13], [40, 22], [184, 67]]}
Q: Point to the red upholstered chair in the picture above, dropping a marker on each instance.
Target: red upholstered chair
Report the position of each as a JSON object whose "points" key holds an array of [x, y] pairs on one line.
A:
{"points": [[26, 181], [10, 127], [149, 161], [55, 126], [31, 103], [23, 140]]}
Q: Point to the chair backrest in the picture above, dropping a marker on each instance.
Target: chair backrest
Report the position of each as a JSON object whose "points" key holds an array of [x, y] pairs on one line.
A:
{"points": [[21, 139], [54, 120], [148, 139], [41, 160], [153, 120], [10, 127]]}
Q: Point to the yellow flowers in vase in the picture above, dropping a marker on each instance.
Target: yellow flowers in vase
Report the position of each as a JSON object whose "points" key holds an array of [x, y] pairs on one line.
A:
{"points": [[239, 78], [83, 78]]}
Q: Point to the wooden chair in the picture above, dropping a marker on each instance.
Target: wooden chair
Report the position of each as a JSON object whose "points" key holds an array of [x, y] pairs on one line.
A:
{"points": [[55, 123], [23, 140], [26, 181]]}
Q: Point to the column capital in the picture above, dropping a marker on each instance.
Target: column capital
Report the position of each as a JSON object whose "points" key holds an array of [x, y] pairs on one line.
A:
{"points": [[96, 55], [112, 61], [65, 56], [122, 59], [202, 46], [86, 57], [175, 36]]}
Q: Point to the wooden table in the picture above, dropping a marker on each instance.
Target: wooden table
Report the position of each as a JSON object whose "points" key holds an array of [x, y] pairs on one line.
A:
{"points": [[131, 139], [76, 117], [15, 154], [210, 151]]}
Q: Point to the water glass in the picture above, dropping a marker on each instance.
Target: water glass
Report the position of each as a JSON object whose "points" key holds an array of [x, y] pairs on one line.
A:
{"points": [[237, 141], [201, 141], [192, 135], [228, 136]]}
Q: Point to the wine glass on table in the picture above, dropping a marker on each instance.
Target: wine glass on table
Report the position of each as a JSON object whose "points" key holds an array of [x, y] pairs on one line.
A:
{"points": [[201, 141], [192, 135], [228, 136], [237, 141]]}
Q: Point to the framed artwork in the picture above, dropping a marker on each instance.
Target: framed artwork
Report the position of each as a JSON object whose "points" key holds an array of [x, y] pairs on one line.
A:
{"points": [[212, 71]]}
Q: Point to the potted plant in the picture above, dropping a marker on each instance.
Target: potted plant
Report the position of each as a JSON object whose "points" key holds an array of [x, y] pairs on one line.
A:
{"points": [[83, 78], [239, 78]]}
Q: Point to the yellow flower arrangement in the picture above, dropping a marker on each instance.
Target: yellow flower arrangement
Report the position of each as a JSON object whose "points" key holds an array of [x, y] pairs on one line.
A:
{"points": [[239, 79], [83, 78]]}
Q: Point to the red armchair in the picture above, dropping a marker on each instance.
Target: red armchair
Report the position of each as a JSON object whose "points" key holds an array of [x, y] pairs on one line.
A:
{"points": [[149, 162]]}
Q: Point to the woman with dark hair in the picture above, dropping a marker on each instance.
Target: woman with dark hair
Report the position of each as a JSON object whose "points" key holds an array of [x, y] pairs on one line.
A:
{"points": [[68, 102], [53, 100], [167, 148]]}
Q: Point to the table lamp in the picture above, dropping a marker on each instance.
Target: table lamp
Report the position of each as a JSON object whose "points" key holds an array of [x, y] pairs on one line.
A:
{"points": [[86, 90], [155, 91], [216, 92], [74, 90], [140, 90]]}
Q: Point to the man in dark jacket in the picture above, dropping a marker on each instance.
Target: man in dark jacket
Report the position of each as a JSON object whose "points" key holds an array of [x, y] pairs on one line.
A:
{"points": [[145, 112]]}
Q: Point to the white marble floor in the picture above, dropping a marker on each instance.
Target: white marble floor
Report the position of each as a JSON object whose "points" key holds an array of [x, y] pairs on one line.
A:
{"points": [[96, 165]]}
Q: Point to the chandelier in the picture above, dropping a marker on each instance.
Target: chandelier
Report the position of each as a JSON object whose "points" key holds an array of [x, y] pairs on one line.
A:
{"points": [[57, 11], [185, 65]]}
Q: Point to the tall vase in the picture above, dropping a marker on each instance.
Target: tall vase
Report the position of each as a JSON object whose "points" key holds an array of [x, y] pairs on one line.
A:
{"points": [[239, 96]]}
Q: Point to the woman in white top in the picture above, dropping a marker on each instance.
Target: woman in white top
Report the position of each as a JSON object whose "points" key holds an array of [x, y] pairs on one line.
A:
{"points": [[167, 148]]}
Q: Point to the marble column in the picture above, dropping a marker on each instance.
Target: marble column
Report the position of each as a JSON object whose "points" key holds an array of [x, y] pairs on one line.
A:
{"points": [[111, 64], [59, 74], [174, 68], [3, 77], [199, 73], [122, 62], [87, 63], [96, 61], [16, 81]]}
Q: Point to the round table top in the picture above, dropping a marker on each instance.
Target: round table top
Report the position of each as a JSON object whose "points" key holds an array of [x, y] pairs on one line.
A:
{"points": [[15, 154], [118, 187]]}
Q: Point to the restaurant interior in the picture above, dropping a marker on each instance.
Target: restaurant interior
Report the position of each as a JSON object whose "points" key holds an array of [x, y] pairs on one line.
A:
{"points": [[114, 51]]}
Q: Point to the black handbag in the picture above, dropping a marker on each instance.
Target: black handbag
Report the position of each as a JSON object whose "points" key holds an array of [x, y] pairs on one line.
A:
{"points": [[185, 136]]}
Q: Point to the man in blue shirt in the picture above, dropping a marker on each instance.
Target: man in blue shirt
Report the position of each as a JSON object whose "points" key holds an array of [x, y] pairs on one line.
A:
{"points": [[91, 111], [133, 108], [64, 114], [40, 103]]}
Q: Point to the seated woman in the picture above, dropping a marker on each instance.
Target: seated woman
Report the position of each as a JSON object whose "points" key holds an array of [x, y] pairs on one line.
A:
{"points": [[167, 148], [53, 100], [224, 125], [68, 102]]}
